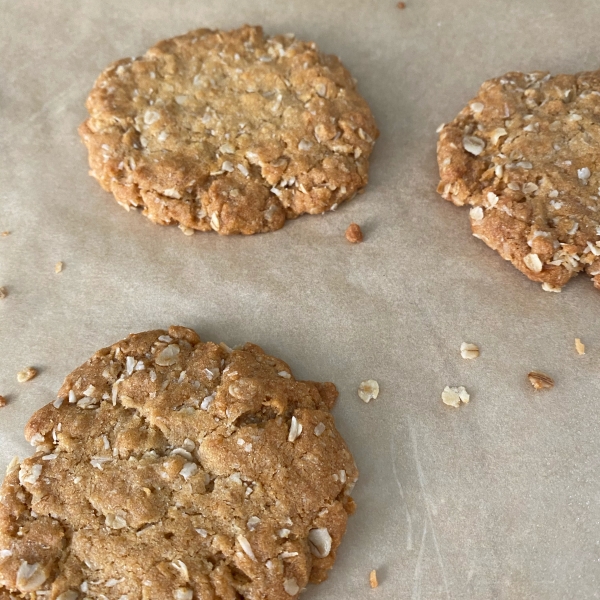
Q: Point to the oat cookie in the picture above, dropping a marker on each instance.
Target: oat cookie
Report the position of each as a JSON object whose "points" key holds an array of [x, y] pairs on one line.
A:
{"points": [[230, 131], [525, 154], [169, 468]]}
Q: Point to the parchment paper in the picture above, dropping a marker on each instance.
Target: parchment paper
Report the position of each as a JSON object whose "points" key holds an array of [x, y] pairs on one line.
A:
{"points": [[499, 499]]}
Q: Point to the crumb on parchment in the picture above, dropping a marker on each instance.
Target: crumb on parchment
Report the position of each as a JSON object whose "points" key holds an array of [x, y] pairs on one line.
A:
{"points": [[453, 396], [26, 374], [373, 579], [469, 351], [540, 381], [368, 390], [354, 234]]}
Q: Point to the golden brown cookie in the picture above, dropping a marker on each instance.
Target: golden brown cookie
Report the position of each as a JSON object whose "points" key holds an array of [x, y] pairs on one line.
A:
{"points": [[230, 131], [169, 468], [525, 154]]}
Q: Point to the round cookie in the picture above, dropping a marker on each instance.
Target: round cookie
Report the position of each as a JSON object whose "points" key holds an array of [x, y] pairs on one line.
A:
{"points": [[172, 468], [230, 131], [525, 154]]}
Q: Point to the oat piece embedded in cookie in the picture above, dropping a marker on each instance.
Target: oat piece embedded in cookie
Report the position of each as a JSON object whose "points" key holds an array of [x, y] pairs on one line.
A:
{"points": [[167, 468], [232, 131], [525, 154]]}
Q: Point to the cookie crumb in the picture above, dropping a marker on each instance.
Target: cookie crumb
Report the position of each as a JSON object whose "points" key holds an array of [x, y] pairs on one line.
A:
{"points": [[368, 390], [579, 346], [3, 293], [2, 401], [469, 351], [373, 574], [354, 234], [453, 396], [5, 233], [401, 6], [540, 381], [26, 374], [58, 267]]}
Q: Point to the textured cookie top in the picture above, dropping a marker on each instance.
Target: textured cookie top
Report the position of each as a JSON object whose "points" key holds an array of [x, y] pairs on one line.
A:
{"points": [[230, 131], [525, 153], [172, 468]]}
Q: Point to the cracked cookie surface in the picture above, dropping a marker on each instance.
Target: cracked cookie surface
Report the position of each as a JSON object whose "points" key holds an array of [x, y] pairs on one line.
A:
{"points": [[229, 131], [172, 468], [525, 154]]}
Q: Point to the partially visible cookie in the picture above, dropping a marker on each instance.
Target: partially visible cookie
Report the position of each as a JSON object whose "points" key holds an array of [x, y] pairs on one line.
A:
{"points": [[525, 154], [169, 468], [232, 131]]}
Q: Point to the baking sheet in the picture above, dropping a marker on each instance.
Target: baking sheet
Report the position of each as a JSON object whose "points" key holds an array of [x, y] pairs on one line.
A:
{"points": [[499, 499]]}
